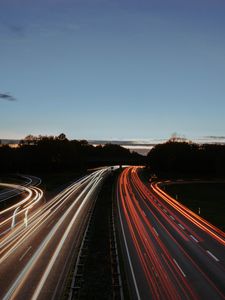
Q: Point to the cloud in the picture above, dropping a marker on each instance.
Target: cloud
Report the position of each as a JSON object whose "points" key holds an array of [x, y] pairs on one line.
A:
{"points": [[219, 137], [7, 97], [12, 31], [17, 30]]}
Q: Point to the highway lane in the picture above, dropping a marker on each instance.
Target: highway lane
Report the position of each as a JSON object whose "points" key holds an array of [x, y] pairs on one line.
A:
{"points": [[34, 260], [18, 200], [205, 227], [170, 253], [18, 213], [12, 191]]}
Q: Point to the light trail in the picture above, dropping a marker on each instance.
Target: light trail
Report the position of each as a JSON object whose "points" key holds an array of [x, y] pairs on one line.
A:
{"points": [[63, 239], [14, 216], [14, 191], [48, 237], [22, 207], [159, 235], [187, 213], [18, 187], [149, 260], [40, 217]]}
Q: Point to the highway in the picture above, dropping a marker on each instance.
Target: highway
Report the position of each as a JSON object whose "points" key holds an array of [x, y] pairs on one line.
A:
{"points": [[169, 252], [18, 202], [36, 255], [11, 191]]}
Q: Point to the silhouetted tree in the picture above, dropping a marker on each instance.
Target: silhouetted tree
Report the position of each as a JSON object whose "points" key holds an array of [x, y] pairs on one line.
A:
{"points": [[57, 153], [187, 158], [62, 137]]}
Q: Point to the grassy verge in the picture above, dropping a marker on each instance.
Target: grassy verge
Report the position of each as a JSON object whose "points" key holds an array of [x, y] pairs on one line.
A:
{"points": [[209, 197]]}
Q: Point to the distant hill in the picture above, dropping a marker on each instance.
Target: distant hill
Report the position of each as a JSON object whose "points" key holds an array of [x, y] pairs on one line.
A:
{"points": [[140, 147], [6, 142]]}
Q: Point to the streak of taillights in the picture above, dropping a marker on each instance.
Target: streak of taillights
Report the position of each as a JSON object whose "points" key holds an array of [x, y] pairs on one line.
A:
{"points": [[191, 216], [159, 282], [129, 185]]}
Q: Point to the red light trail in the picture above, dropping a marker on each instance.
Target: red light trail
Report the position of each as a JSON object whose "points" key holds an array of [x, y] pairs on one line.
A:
{"points": [[167, 254]]}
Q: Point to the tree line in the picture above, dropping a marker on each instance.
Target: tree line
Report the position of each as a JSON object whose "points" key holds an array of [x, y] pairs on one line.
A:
{"points": [[57, 153], [187, 158]]}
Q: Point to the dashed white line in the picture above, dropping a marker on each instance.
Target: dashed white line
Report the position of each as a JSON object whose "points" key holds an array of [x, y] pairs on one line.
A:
{"points": [[144, 213], [164, 210], [181, 226], [179, 267], [155, 231], [172, 218], [212, 255], [193, 238], [25, 253]]}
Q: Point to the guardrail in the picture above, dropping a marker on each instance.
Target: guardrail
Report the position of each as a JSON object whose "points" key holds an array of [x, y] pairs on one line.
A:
{"points": [[115, 265]]}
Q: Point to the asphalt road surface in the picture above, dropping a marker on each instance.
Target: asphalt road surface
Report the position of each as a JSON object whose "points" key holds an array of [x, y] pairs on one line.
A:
{"points": [[169, 252], [12, 190], [35, 256]]}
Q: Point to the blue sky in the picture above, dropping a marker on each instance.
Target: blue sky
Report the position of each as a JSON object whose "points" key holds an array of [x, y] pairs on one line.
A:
{"points": [[112, 69]]}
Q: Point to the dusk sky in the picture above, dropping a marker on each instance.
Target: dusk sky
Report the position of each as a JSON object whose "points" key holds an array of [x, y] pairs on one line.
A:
{"points": [[112, 69]]}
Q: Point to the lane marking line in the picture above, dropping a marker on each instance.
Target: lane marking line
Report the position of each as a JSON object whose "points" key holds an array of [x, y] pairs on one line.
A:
{"points": [[127, 250], [179, 267], [25, 253], [42, 246], [4, 232], [144, 213], [172, 218], [181, 226], [193, 238], [212, 255], [155, 231]]}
